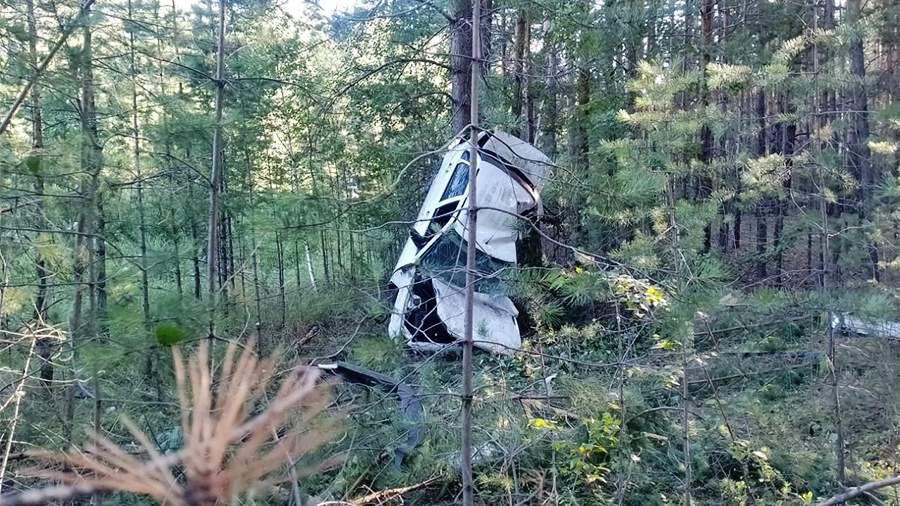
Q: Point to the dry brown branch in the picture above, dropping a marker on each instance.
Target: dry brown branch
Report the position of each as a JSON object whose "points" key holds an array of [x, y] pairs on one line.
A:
{"points": [[228, 450], [382, 496], [18, 394]]}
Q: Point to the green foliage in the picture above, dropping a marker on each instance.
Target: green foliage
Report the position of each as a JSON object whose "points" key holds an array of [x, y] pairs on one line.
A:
{"points": [[330, 125], [169, 335]]}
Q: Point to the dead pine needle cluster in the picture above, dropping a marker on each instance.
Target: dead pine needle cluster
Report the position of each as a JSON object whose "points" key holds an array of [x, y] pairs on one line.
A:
{"points": [[236, 439]]}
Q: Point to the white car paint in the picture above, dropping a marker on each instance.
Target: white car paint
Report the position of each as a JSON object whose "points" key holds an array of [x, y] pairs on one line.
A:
{"points": [[511, 174]]}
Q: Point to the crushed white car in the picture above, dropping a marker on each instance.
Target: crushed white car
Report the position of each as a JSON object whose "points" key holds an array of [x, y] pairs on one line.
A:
{"points": [[430, 275]]}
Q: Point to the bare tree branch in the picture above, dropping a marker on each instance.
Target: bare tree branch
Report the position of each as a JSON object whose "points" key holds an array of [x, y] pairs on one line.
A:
{"points": [[43, 66]]}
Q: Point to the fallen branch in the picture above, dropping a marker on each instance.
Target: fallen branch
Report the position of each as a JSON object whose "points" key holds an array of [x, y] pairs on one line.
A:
{"points": [[380, 497], [862, 489]]}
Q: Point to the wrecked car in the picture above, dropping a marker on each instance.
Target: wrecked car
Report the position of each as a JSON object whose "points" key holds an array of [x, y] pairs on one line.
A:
{"points": [[430, 275]]}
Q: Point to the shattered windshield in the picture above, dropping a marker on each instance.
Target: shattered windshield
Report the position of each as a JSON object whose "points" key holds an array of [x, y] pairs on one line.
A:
{"points": [[458, 182], [446, 259]]}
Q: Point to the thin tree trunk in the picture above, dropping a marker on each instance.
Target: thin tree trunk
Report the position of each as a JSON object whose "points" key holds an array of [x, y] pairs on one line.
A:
{"points": [[685, 420], [297, 264], [259, 340], [74, 340], [789, 133], [840, 470], [139, 187], [517, 100], [309, 267], [706, 141], [761, 206], [242, 263], [195, 259], [216, 177], [100, 263], [92, 161], [231, 271], [177, 247], [550, 109], [325, 270], [530, 91], [471, 226], [579, 148], [339, 254], [279, 252], [44, 346]]}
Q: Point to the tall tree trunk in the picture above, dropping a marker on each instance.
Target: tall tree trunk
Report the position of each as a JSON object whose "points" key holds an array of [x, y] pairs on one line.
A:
{"points": [[550, 109], [139, 187], [309, 267], [176, 243], [471, 229], [706, 141], [858, 149], [45, 347], [518, 89], [297, 265], [242, 264], [256, 292], [99, 262], [460, 71], [761, 206], [195, 259], [325, 270], [231, 267], [339, 253], [279, 257], [530, 91], [579, 136], [92, 162], [788, 135], [216, 178]]}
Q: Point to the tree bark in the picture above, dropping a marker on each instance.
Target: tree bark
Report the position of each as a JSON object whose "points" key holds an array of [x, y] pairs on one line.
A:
{"points": [[44, 347], [706, 141], [139, 188], [325, 270], [518, 88], [195, 259], [460, 68], [279, 251], [550, 109], [216, 177], [92, 161], [788, 136], [471, 228], [858, 149], [761, 206], [256, 292], [176, 243], [578, 138]]}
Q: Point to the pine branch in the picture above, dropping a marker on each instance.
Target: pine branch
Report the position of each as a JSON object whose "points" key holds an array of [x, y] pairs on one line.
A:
{"points": [[43, 66]]}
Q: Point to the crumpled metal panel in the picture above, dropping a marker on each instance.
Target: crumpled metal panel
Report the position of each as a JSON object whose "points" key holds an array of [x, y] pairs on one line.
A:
{"points": [[430, 273]]}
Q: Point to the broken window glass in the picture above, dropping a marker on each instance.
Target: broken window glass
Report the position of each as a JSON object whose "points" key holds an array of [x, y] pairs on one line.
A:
{"points": [[446, 259], [442, 216], [458, 181]]}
